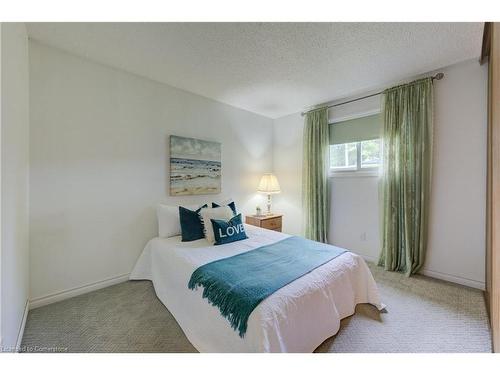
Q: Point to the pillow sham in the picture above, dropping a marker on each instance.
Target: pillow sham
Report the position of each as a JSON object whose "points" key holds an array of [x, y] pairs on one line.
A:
{"points": [[218, 213], [168, 221], [228, 231], [231, 205], [191, 225]]}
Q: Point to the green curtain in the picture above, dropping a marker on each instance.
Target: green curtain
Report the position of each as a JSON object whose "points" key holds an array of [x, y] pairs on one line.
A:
{"points": [[407, 158], [315, 175]]}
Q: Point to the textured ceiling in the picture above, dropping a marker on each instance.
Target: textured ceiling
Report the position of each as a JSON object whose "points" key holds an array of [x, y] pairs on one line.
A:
{"points": [[273, 69]]}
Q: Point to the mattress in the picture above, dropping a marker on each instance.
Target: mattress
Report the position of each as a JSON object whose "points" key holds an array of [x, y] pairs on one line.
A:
{"points": [[296, 318]]}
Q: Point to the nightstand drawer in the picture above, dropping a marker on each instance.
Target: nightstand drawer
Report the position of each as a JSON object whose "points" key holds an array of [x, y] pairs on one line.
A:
{"points": [[273, 223], [268, 222]]}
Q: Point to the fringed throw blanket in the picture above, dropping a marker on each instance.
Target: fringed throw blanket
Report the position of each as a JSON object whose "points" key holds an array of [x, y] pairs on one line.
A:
{"points": [[236, 285]]}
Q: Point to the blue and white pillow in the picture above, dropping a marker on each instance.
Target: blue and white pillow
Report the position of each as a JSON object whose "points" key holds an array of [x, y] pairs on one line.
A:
{"points": [[228, 231]]}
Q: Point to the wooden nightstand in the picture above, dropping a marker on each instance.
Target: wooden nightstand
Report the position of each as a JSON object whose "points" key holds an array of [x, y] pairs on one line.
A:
{"points": [[272, 222]]}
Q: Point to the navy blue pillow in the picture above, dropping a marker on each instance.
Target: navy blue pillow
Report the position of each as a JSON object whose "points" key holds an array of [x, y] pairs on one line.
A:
{"points": [[191, 225], [228, 231], [231, 205]]}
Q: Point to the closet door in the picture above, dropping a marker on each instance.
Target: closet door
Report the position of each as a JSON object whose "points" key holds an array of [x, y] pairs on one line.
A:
{"points": [[491, 48]]}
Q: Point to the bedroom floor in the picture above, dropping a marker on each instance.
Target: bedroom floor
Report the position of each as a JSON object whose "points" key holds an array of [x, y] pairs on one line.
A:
{"points": [[423, 315]]}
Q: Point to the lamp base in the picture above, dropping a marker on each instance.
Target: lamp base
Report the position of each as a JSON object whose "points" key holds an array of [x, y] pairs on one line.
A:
{"points": [[268, 213]]}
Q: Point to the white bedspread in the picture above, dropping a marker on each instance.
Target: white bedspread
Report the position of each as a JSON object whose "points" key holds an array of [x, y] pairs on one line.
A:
{"points": [[296, 318]]}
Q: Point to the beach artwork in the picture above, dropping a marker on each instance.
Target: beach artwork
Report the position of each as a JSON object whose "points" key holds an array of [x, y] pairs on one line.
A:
{"points": [[195, 166]]}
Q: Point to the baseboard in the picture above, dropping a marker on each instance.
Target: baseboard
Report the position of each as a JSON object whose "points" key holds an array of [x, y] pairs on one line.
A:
{"points": [[442, 276], [73, 292], [21, 328], [455, 279]]}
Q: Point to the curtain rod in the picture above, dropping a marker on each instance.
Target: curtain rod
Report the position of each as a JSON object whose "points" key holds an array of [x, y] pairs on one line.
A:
{"points": [[438, 77]]}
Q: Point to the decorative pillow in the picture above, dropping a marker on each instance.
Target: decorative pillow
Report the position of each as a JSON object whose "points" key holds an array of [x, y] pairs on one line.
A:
{"points": [[191, 225], [168, 221], [231, 205], [228, 231], [218, 213]]}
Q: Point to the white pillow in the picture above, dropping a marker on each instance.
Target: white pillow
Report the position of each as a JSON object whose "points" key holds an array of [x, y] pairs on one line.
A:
{"points": [[224, 202], [218, 213], [168, 219]]}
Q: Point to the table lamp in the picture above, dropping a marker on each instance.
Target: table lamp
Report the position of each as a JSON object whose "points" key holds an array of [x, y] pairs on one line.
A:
{"points": [[269, 185]]}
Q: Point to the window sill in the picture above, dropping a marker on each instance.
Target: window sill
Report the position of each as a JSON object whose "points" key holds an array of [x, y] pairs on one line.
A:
{"points": [[349, 174]]}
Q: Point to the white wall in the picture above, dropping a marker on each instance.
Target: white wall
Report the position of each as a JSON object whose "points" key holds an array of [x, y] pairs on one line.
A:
{"points": [[287, 164], [14, 258], [458, 202], [99, 164], [457, 213]]}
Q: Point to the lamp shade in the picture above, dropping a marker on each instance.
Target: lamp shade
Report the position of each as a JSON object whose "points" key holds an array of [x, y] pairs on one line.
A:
{"points": [[269, 184]]}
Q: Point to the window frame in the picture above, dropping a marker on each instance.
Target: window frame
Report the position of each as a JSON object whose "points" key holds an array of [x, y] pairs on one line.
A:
{"points": [[358, 171]]}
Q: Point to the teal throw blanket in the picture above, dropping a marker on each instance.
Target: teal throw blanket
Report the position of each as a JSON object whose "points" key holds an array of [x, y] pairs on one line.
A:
{"points": [[236, 285]]}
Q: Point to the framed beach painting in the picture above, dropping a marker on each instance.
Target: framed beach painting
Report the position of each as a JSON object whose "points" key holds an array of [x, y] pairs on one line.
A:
{"points": [[195, 166]]}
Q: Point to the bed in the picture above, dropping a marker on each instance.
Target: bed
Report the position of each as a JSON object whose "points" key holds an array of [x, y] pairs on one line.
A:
{"points": [[296, 318]]}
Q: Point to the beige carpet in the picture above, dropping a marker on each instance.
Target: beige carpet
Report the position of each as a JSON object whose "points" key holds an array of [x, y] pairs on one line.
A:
{"points": [[423, 315]]}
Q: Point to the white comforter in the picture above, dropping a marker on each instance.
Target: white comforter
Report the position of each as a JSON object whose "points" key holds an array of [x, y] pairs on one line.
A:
{"points": [[296, 318]]}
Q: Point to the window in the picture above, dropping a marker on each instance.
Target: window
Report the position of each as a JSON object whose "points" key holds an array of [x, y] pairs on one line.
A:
{"points": [[344, 156], [370, 153], [355, 145], [355, 156]]}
